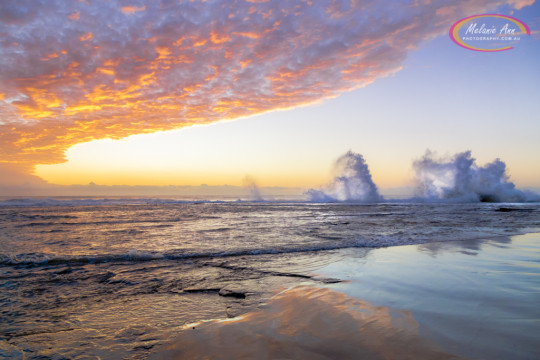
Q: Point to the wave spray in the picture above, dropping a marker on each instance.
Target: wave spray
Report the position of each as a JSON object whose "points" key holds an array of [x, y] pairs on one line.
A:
{"points": [[461, 179], [352, 182]]}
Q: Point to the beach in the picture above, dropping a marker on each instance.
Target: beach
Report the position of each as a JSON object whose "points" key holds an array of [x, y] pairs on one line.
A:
{"points": [[462, 299]]}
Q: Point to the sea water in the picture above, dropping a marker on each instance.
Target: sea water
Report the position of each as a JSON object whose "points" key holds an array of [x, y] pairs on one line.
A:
{"points": [[115, 278]]}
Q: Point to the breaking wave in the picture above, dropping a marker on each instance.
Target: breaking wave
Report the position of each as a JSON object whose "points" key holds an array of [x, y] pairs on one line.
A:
{"points": [[460, 179], [457, 179], [254, 192], [37, 259], [352, 182]]}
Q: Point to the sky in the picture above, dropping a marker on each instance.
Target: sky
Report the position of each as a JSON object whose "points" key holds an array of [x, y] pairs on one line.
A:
{"points": [[192, 92]]}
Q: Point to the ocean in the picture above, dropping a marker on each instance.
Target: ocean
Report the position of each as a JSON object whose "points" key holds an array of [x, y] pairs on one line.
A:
{"points": [[117, 278]]}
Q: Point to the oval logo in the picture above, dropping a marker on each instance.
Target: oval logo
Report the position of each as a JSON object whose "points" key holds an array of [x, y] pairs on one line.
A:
{"points": [[488, 32]]}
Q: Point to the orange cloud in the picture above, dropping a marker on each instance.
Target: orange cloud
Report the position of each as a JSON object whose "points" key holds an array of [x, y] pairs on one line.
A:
{"points": [[250, 35], [110, 76], [87, 36], [49, 56], [132, 9], [518, 4], [74, 16]]}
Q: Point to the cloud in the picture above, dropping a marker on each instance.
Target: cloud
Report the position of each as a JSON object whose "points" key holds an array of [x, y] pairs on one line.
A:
{"points": [[519, 4], [78, 71], [17, 174], [132, 9]]}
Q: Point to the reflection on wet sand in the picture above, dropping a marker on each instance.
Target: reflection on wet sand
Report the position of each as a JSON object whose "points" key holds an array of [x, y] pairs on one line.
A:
{"points": [[308, 323], [475, 298], [467, 247]]}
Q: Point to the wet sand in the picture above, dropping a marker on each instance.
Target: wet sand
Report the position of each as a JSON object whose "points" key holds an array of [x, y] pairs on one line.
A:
{"points": [[462, 299]]}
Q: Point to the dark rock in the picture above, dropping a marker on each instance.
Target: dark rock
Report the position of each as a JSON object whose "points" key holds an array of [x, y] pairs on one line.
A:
{"points": [[201, 290], [232, 293], [331, 281], [509, 209]]}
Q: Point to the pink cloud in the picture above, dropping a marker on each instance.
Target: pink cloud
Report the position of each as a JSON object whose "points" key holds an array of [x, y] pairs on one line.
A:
{"points": [[519, 4]]}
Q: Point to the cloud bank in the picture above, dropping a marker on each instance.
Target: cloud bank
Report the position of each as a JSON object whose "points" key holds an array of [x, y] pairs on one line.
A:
{"points": [[76, 71]]}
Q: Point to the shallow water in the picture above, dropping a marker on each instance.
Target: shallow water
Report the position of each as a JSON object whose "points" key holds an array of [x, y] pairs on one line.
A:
{"points": [[476, 299]]}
